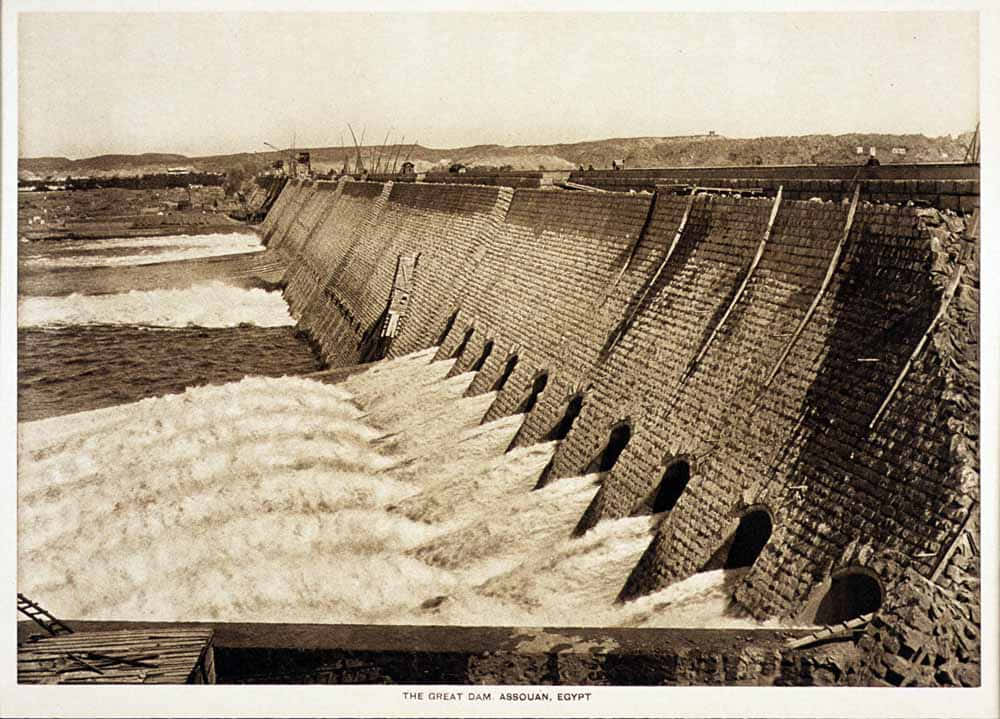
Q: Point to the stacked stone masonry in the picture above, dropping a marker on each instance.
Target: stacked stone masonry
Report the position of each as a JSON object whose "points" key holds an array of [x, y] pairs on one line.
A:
{"points": [[955, 195], [945, 186], [505, 179], [740, 348]]}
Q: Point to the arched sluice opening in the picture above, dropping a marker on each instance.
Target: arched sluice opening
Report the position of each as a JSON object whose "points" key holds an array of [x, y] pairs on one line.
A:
{"points": [[487, 351], [508, 370], [748, 540], [744, 545], [851, 594], [462, 345], [537, 387], [617, 442], [561, 430], [447, 328], [672, 486]]}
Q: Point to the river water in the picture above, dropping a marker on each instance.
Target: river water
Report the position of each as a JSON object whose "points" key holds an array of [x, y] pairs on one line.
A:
{"points": [[103, 347], [172, 466]]}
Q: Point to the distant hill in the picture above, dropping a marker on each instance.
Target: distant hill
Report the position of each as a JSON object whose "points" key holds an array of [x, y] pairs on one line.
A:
{"points": [[637, 152]]}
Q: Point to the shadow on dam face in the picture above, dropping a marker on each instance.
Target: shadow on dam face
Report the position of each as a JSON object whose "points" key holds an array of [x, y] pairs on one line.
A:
{"points": [[460, 350], [558, 433], [537, 387], [508, 370], [447, 328], [602, 464], [487, 351], [562, 429]]}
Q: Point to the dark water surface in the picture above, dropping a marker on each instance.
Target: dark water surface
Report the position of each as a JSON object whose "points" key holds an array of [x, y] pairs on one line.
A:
{"points": [[91, 366], [65, 369], [257, 269]]}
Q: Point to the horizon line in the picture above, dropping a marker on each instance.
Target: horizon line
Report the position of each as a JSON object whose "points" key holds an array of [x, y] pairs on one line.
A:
{"points": [[484, 144]]}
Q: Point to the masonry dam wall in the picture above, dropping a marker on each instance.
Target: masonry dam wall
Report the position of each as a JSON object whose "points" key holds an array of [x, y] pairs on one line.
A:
{"points": [[795, 384]]}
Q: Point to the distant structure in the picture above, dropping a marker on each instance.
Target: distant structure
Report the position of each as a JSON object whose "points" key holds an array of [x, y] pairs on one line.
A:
{"points": [[972, 153], [304, 158]]}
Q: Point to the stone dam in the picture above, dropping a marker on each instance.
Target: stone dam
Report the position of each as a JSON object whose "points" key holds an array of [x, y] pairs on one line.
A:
{"points": [[790, 384]]}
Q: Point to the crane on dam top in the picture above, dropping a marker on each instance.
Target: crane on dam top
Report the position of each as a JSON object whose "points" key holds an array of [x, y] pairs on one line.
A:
{"points": [[359, 163]]}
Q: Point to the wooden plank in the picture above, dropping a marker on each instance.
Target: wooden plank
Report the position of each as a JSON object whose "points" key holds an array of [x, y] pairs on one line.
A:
{"points": [[578, 186], [117, 646], [118, 656], [953, 545], [835, 631]]}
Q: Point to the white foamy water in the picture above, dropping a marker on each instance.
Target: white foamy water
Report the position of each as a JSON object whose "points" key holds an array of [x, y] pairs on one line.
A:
{"points": [[120, 252], [379, 500], [212, 304]]}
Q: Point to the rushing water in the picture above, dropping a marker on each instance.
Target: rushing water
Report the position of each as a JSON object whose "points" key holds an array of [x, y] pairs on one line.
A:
{"points": [[211, 304], [119, 252], [378, 500]]}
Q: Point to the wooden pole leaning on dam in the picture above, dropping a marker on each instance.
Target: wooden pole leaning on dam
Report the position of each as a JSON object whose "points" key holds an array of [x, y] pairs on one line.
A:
{"points": [[946, 298], [831, 268], [746, 279], [647, 286]]}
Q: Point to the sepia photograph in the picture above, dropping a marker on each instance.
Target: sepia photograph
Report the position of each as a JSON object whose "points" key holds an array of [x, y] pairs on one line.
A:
{"points": [[521, 361]]}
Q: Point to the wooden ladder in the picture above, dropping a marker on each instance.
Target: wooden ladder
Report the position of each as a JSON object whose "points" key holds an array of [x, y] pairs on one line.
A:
{"points": [[41, 617]]}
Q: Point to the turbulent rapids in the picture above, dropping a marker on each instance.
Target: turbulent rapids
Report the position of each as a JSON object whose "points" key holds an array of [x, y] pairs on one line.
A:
{"points": [[288, 499], [212, 304], [121, 252]]}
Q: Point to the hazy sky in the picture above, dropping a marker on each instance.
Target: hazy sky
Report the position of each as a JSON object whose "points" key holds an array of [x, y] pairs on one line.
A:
{"points": [[200, 84]]}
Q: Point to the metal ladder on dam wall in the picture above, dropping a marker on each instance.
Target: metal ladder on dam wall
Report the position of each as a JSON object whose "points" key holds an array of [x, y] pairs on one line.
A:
{"points": [[399, 295], [41, 617]]}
